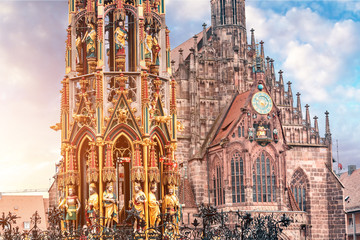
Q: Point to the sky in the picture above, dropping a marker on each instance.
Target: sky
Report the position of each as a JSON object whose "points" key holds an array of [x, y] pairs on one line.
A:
{"points": [[315, 43]]}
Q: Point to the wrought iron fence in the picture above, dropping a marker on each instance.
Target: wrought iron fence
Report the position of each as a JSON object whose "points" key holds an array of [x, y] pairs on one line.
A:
{"points": [[209, 224]]}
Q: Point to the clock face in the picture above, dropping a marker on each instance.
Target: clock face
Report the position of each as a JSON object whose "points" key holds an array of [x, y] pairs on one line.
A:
{"points": [[262, 102]]}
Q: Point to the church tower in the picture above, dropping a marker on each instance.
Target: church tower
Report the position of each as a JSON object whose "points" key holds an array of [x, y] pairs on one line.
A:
{"points": [[118, 111], [229, 40]]}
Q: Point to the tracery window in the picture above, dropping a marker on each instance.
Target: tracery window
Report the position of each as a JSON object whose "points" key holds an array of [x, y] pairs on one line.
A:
{"points": [[234, 7], [219, 190], [237, 178], [222, 12], [299, 184], [264, 180]]}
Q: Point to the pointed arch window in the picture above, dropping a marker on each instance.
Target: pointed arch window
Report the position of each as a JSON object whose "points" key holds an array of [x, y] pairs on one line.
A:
{"points": [[219, 190], [237, 178], [298, 187], [264, 180]]}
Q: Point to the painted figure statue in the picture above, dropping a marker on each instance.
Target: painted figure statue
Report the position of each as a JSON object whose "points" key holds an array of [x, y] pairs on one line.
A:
{"points": [[152, 47], [154, 209], [261, 132], [110, 206], [90, 39], [72, 206], [62, 202], [171, 204], [138, 202], [92, 207], [120, 38], [79, 49]]}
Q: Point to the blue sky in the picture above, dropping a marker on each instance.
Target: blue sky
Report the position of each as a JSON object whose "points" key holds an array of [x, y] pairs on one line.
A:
{"points": [[315, 43]]}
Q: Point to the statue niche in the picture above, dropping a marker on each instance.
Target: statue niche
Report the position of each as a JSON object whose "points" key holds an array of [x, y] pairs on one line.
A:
{"points": [[85, 47]]}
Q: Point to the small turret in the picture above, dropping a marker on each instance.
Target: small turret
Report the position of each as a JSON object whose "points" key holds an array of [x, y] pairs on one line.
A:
{"points": [[316, 130], [205, 42], [307, 116], [327, 129], [290, 102], [298, 107], [281, 87], [307, 124], [195, 43], [281, 80], [253, 45], [262, 55]]}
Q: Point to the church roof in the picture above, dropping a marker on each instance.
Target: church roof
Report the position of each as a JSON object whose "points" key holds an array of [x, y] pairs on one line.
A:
{"points": [[352, 190], [232, 116], [186, 46], [186, 194]]}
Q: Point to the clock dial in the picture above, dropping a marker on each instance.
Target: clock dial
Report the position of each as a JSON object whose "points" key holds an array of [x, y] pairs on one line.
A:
{"points": [[262, 102]]}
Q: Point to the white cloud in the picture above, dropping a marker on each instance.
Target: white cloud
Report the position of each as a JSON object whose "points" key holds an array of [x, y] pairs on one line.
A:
{"points": [[184, 10], [313, 51]]}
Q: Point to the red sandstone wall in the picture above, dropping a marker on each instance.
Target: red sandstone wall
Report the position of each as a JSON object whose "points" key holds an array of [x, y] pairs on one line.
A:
{"points": [[325, 196]]}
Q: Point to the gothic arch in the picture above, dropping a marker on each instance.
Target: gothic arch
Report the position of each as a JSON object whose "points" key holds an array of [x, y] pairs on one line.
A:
{"points": [[122, 128], [300, 187], [216, 159], [217, 182], [270, 149], [82, 133], [158, 133], [265, 178]]}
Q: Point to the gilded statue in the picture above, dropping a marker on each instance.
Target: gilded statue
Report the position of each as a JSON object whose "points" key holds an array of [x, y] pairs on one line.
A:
{"points": [[111, 210], [261, 132], [138, 202], [154, 209], [152, 47], [62, 208], [120, 38], [92, 207], [72, 206], [90, 39], [171, 204]]}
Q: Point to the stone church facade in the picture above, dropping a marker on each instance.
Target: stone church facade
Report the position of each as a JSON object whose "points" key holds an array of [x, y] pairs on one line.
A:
{"points": [[246, 143]]}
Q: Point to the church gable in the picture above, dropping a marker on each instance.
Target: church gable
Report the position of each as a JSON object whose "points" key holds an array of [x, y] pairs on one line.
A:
{"points": [[264, 123], [252, 116]]}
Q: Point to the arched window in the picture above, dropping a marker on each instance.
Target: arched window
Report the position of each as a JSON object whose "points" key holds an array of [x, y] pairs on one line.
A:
{"points": [[264, 181], [234, 7], [219, 191], [299, 184], [237, 178]]}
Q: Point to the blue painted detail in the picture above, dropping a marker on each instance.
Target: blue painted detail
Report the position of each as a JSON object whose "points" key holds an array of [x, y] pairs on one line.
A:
{"points": [[262, 102], [260, 87]]}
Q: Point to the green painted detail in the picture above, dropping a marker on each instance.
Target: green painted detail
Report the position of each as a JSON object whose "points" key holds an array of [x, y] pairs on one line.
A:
{"points": [[162, 6], [168, 58], [100, 51], [72, 5]]}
